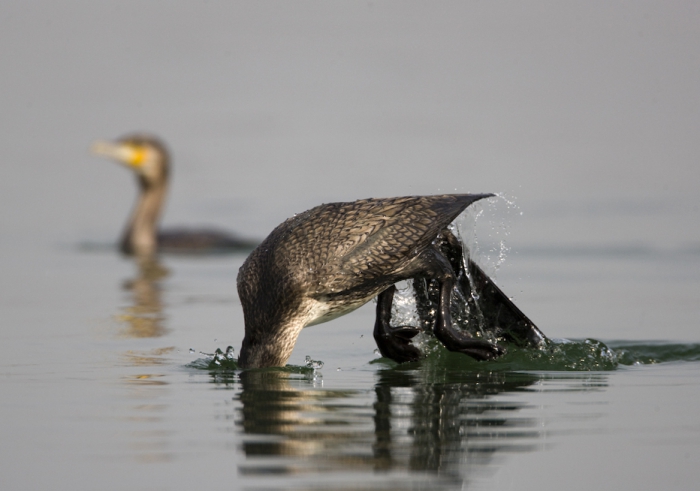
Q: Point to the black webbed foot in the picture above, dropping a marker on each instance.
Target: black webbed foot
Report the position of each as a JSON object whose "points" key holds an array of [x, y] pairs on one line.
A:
{"points": [[489, 307], [452, 338], [427, 296], [459, 342], [393, 342], [438, 270]]}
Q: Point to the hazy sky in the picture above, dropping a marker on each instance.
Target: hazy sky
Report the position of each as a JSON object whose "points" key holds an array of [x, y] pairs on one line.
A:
{"points": [[272, 107]]}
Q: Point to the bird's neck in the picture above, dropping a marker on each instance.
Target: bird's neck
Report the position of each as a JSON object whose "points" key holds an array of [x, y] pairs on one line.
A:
{"points": [[268, 350], [141, 234]]}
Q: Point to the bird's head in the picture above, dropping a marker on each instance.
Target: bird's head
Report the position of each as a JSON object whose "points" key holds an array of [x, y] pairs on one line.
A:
{"points": [[144, 154]]}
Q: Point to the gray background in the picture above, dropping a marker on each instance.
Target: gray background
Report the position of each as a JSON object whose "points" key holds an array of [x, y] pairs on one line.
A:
{"points": [[585, 112]]}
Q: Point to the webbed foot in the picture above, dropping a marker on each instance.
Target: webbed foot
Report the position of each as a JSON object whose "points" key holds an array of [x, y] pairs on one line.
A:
{"points": [[476, 348], [393, 342], [453, 339], [490, 308]]}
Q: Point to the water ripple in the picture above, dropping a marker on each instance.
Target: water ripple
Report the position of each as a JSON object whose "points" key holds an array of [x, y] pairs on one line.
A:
{"points": [[555, 355]]}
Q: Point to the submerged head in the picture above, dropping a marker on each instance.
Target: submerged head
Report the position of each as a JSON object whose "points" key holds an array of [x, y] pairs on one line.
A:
{"points": [[144, 154]]}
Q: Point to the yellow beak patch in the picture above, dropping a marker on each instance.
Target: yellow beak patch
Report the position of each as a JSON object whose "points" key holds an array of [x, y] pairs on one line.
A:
{"points": [[137, 157]]}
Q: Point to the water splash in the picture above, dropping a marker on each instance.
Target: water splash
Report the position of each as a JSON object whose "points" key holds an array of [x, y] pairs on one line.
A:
{"points": [[219, 356], [563, 355], [631, 353], [571, 355], [315, 364], [487, 239], [229, 353], [403, 308], [219, 359], [226, 361], [316, 377]]}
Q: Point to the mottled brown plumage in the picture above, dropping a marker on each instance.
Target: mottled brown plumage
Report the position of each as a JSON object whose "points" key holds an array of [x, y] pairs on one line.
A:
{"points": [[333, 258]]}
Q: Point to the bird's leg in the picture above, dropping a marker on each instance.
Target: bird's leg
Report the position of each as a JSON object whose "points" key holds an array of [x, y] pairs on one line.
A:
{"points": [[393, 342], [454, 339], [489, 307]]}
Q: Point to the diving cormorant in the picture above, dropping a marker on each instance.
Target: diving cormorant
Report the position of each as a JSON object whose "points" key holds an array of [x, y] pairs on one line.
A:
{"points": [[331, 259]]}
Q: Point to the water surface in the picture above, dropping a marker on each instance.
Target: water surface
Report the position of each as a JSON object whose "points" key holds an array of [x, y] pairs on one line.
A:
{"points": [[583, 116], [110, 388]]}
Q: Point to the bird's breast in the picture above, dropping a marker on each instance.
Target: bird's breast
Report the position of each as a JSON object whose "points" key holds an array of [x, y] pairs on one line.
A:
{"points": [[327, 309]]}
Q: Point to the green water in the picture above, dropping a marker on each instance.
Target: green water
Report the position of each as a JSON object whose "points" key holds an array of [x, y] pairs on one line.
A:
{"points": [[557, 355]]}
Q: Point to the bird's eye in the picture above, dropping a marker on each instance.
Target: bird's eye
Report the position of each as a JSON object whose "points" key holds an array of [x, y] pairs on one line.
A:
{"points": [[138, 156]]}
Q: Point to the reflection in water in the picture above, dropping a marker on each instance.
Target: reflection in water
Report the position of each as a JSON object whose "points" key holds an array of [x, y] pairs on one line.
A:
{"points": [[145, 318], [150, 358], [273, 406], [150, 440], [417, 429], [441, 427]]}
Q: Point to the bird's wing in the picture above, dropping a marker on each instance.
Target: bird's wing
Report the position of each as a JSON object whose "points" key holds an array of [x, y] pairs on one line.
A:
{"points": [[373, 239]]}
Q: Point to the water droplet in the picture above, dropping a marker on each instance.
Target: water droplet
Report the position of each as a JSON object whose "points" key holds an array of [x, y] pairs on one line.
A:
{"points": [[315, 364]]}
